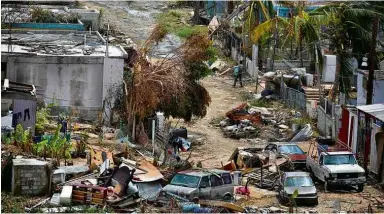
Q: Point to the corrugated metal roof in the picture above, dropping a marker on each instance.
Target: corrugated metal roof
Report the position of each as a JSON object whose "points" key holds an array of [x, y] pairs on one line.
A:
{"points": [[375, 110]]}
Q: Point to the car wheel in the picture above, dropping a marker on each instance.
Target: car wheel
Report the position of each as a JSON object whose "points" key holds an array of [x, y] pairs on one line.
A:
{"points": [[326, 185], [360, 187], [227, 197], [316, 202]]}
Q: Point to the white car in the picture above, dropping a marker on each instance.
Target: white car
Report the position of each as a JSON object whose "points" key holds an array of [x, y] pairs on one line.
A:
{"points": [[336, 168]]}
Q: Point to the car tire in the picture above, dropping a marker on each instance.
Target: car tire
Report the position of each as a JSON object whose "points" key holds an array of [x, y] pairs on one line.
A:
{"points": [[326, 185], [227, 197], [360, 187], [316, 202]]}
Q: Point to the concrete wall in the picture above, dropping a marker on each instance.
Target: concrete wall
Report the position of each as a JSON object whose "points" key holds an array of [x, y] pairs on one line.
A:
{"points": [[286, 64], [31, 177], [378, 88], [112, 78], [80, 82], [325, 123], [88, 16]]}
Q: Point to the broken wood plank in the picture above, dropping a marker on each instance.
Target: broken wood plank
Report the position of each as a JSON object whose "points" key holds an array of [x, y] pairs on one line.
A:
{"points": [[223, 204]]}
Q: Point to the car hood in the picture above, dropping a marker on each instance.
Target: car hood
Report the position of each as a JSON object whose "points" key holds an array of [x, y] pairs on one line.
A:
{"points": [[302, 190], [178, 190], [345, 168], [297, 157]]}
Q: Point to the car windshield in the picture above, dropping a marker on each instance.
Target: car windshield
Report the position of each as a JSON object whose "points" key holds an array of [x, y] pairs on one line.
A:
{"points": [[298, 181], [339, 159], [291, 149], [185, 180]]}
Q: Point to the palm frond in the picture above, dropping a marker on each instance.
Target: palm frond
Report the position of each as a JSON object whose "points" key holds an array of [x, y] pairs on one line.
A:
{"points": [[362, 33], [262, 29], [264, 9]]}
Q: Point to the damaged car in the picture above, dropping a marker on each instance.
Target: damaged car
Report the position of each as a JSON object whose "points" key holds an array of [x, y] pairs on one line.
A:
{"points": [[300, 181], [293, 151], [199, 184]]}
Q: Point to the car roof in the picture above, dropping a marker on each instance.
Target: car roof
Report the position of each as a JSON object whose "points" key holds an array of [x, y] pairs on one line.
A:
{"points": [[339, 153], [202, 172], [296, 174], [288, 144], [283, 143]]}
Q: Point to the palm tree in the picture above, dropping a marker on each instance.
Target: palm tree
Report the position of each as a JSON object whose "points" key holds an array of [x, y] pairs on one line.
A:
{"points": [[348, 30], [299, 27], [258, 11]]}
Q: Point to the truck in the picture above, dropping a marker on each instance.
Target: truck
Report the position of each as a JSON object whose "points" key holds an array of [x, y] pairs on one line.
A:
{"points": [[337, 166]]}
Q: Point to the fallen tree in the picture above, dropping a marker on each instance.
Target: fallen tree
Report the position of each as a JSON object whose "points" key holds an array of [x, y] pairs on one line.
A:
{"points": [[169, 84]]}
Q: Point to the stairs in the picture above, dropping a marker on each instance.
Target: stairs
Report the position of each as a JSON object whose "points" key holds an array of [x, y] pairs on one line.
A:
{"points": [[312, 94]]}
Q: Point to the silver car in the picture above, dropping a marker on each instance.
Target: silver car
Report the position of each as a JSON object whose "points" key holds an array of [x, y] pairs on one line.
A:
{"points": [[200, 184], [290, 181]]}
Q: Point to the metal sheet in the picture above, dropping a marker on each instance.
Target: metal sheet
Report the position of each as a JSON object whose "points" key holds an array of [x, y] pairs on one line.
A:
{"points": [[150, 190], [376, 110], [24, 113], [153, 174]]}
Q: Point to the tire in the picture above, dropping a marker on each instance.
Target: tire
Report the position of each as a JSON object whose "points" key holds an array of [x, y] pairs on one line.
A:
{"points": [[316, 202], [227, 197], [360, 187], [326, 185]]}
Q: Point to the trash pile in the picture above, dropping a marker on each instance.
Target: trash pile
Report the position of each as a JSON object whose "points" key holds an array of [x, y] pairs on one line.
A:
{"points": [[118, 182], [241, 122], [246, 121]]}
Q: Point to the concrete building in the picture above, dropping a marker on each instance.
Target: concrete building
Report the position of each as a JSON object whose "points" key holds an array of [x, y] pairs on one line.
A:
{"points": [[20, 17], [18, 106], [69, 67]]}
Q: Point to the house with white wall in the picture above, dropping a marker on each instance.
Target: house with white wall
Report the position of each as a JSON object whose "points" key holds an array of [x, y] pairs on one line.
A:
{"points": [[75, 68]]}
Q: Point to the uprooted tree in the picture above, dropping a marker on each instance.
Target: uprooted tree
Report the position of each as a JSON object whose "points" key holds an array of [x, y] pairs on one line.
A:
{"points": [[169, 84]]}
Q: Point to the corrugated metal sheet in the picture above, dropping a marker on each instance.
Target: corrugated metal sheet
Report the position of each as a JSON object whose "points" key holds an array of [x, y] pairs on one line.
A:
{"points": [[150, 190], [376, 110], [24, 113]]}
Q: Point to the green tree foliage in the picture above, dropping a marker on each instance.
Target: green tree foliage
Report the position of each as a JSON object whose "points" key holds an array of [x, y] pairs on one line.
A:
{"points": [[348, 27]]}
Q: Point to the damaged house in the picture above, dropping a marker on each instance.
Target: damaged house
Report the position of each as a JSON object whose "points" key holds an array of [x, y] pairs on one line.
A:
{"points": [[73, 68]]}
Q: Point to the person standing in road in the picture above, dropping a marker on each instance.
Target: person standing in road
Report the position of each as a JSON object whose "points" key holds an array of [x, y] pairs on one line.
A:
{"points": [[237, 73]]}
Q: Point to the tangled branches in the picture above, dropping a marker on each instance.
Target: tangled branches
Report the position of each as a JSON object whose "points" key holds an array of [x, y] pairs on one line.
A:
{"points": [[168, 84]]}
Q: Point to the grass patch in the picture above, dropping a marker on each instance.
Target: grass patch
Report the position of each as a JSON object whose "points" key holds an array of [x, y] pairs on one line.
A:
{"points": [[302, 120], [261, 103], [175, 21]]}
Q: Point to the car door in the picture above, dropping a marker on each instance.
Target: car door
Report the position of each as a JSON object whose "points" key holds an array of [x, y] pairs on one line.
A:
{"points": [[319, 169], [216, 185], [205, 188], [228, 186]]}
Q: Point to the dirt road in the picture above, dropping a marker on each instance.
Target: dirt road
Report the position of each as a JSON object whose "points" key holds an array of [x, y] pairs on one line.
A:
{"points": [[216, 148]]}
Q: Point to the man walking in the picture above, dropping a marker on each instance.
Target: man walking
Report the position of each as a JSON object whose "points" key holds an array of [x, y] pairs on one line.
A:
{"points": [[237, 73]]}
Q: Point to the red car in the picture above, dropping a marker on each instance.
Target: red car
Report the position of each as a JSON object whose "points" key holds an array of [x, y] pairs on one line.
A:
{"points": [[294, 152]]}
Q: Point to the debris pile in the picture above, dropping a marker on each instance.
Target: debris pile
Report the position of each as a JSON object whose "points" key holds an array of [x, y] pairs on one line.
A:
{"points": [[241, 122]]}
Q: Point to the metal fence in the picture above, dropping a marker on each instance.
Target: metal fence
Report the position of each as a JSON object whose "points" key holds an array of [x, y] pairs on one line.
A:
{"points": [[328, 117], [294, 98]]}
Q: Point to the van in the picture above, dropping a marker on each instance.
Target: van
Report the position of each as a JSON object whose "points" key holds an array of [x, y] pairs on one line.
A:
{"points": [[200, 184]]}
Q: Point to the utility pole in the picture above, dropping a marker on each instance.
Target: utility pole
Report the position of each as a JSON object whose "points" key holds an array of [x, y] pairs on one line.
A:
{"points": [[371, 74], [372, 60]]}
